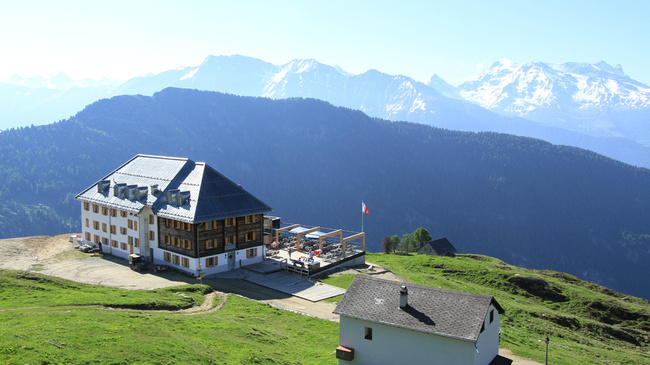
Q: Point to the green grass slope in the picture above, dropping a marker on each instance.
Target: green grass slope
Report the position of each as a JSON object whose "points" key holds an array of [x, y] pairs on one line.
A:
{"points": [[23, 289], [586, 323], [52, 321]]}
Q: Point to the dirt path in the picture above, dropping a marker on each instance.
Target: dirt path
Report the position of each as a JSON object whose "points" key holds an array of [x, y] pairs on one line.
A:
{"points": [[55, 256], [205, 307]]}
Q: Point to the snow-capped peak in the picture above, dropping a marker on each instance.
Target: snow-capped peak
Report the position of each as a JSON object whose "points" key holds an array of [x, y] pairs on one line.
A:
{"points": [[501, 66], [189, 74], [599, 69], [520, 89], [441, 86]]}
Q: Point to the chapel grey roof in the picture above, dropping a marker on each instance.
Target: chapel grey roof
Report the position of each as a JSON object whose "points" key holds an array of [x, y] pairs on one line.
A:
{"points": [[212, 196], [441, 312], [441, 246]]}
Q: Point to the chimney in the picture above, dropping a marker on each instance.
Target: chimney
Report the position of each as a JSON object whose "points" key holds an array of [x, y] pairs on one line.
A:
{"points": [[403, 297], [154, 189]]}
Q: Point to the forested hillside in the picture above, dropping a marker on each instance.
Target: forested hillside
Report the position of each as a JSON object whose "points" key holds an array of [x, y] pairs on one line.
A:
{"points": [[522, 200]]}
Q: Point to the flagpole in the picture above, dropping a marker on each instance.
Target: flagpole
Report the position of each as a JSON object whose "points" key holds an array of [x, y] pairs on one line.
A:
{"points": [[362, 214]]}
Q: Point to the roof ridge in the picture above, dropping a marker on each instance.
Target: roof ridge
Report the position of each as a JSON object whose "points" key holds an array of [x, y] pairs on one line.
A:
{"points": [[431, 288], [163, 157]]}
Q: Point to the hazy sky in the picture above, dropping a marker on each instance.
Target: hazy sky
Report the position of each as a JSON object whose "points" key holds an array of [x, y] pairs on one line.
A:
{"points": [[454, 39]]}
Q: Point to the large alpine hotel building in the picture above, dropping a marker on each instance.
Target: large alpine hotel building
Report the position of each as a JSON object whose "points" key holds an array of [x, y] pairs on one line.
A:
{"points": [[174, 212]]}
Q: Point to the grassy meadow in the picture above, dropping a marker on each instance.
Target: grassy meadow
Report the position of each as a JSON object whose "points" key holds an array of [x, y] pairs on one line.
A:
{"points": [[53, 321]]}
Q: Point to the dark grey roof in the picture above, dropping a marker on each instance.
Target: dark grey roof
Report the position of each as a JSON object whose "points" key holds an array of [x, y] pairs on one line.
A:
{"points": [[437, 311], [211, 195], [441, 246]]}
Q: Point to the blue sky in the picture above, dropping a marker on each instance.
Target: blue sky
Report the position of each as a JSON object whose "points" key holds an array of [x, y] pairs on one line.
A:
{"points": [[454, 39]]}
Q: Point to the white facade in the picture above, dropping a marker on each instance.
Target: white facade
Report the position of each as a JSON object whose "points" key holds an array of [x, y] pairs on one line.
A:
{"points": [[375, 344], [222, 262], [119, 232], [488, 342]]}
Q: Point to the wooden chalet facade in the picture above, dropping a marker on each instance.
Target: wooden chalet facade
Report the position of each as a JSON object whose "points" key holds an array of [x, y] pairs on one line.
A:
{"points": [[211, 238]]}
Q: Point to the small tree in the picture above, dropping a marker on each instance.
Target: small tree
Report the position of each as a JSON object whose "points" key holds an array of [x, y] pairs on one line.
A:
{"points": [[394, 242], [407, 241], [386, 244], [421, 236]]}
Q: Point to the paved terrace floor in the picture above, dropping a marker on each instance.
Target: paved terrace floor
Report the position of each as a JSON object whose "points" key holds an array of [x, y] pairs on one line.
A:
{"points": [[266, 274]]}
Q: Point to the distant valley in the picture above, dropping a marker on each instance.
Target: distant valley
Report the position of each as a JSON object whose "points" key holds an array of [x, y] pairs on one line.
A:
{"points": [[522, 200]]}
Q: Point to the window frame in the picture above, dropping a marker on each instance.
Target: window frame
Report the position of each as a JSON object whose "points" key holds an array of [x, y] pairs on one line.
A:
{"points": [[367, 333], [230, 240], [211, 261], [251, 252]]}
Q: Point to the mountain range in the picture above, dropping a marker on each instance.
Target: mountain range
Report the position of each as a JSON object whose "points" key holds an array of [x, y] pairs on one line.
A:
{"points": [[597, 99], [592, 106], [522, 200]]}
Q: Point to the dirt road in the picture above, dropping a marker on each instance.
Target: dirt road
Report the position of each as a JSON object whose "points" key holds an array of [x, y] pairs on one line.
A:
{"points": [[55, 256]]}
